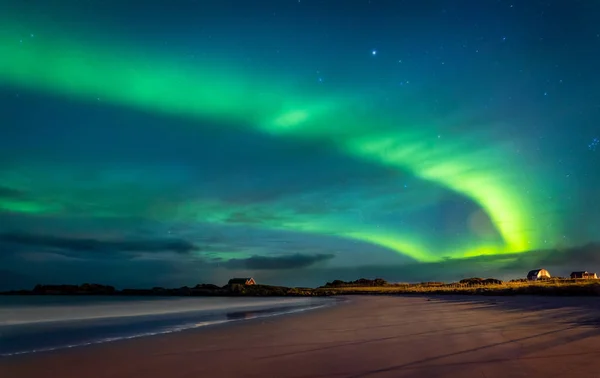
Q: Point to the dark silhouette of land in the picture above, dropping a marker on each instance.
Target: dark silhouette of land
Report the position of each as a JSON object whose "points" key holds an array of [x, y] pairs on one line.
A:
{"points": [[198, 290]]}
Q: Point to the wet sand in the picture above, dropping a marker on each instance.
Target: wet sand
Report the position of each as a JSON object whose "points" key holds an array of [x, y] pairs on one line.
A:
{"points": [[375, 336]]}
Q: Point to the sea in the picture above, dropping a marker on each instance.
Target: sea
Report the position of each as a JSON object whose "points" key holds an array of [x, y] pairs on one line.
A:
{"points": [[30, 324]]}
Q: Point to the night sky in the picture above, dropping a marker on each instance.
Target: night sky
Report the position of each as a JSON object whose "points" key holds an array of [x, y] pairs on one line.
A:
{"points": [[297, 141]]}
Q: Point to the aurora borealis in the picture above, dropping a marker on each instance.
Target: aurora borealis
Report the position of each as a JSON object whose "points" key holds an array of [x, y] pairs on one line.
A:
{"points": [[295, 140]]}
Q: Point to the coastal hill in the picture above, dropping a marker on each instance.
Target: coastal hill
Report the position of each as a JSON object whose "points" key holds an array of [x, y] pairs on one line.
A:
{"points": [[475, 285], [198, 290]]}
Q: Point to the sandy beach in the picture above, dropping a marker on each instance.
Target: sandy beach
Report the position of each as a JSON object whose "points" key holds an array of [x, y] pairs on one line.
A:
{"points": [[376, 336]]}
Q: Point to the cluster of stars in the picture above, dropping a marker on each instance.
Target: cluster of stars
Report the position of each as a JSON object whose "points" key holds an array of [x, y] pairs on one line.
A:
{"points": [[30, 35], [594, 144]]}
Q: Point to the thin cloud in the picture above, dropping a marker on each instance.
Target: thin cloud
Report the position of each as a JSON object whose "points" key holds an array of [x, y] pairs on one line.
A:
{"points": [[295, 261], [96, 245], [10, 193]]}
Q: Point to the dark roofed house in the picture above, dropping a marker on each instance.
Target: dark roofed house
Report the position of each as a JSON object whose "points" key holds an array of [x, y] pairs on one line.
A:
{"points": [[242, 281], [583, 275], [538, 274]]}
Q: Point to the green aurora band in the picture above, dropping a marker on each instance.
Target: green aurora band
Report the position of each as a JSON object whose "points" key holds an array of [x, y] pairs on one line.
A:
{"points": [[126, 75]]}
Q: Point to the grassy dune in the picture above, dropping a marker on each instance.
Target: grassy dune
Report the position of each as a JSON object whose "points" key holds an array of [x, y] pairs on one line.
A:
{"points": [[543, 287]]}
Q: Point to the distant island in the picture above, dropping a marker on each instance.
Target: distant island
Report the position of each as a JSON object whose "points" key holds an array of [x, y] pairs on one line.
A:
{"points": [[586, 285]]}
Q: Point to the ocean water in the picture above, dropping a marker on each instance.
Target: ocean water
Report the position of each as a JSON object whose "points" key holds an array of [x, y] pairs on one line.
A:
{"points": [[30, 324]]}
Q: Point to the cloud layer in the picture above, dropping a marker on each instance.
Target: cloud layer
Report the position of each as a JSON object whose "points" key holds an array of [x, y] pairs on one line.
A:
{"points": [[293, 261]]}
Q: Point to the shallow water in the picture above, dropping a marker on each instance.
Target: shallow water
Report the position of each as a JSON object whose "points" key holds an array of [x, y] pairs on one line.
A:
{"points": [[39, 323]]}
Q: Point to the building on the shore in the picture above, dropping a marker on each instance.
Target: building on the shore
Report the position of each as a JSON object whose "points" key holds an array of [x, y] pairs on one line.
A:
{"points": [[538, 274], [584, 275], [241, 282]]}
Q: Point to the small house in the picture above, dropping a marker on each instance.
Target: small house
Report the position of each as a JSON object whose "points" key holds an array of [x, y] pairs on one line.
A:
{"points": [[538, 274], [583, 275], [241, 281]]}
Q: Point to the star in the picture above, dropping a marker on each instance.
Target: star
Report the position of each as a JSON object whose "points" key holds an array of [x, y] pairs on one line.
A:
{"points": [[374, 52]]}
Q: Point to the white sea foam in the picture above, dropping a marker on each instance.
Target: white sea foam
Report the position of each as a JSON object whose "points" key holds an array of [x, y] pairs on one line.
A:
{"points": [[26, 314]]}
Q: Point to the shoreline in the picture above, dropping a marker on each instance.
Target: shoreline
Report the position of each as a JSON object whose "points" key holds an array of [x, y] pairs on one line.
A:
{"points": [[211, 326], [141, 308], [181, 321], [382, 336]]}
